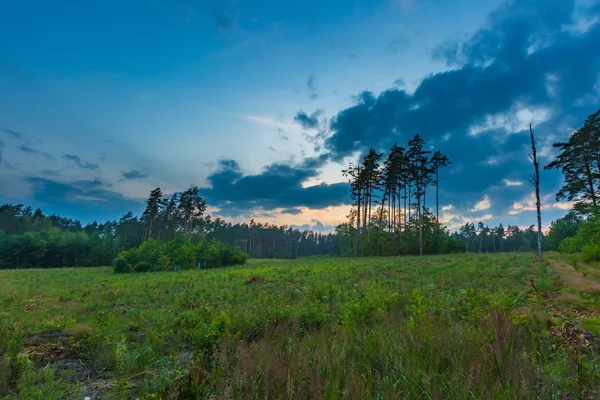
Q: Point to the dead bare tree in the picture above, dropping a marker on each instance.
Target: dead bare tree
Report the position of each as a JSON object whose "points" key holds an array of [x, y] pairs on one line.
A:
{"points": [[535, 180]]}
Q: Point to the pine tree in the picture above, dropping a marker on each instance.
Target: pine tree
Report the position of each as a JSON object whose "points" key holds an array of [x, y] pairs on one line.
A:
{"points": [[579, 161], [154, 206], [438, 160]]}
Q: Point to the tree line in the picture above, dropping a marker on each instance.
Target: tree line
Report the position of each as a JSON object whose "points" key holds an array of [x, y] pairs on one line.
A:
{"points": [[481, 238], [31, 239]]}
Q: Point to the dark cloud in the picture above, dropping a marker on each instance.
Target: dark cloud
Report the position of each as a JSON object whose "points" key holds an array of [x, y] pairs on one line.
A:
{"points": [[311, 85], [84, 200], [1, 149], [272, 148], [81, 164], [30, 150], [308, 121], [14, 134], [50, 172], [291, 211], [134, 174], [455, 100], [279, 185], [501, 69], [398, 44], [282, 135]]}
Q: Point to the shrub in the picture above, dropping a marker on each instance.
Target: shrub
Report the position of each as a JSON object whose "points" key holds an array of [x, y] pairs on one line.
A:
{"points": [[240, 257], [122, 266], [568, 245], [143, 266], [163, 263], [153, 255], [591, 252]]}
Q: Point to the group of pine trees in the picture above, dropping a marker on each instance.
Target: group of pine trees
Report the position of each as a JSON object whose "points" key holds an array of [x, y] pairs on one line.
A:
{"points": [[389, 214]]}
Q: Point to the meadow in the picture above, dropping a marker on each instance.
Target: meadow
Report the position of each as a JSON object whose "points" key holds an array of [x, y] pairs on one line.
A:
{"points": [[466, 326]]}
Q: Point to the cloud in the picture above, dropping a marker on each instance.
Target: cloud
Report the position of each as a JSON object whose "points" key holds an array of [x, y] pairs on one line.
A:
{"points": [[458, 99], [77, 160], [80, 199], [483, 204], [522, 67], [311, 84], [271, 148], [14, 134], [398, 44], [30, 150], [134, 174], [508, 182], [279, 185], [453, 219], [291, 211], [50, 172], [308, 121], [528, 204], [271, 122]]}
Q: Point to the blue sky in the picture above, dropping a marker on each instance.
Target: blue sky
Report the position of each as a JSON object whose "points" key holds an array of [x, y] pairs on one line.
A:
{"points": [[262, 103]]}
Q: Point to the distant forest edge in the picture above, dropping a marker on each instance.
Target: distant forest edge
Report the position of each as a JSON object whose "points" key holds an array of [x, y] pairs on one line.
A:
{"points": [[388, 217]]}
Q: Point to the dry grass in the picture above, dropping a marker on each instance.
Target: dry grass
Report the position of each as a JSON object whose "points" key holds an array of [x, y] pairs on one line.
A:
{"points": [[575, 279], [79, 330]]}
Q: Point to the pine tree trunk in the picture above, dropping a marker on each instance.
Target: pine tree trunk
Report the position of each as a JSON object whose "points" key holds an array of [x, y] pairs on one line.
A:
{"points": [[590, 180]]}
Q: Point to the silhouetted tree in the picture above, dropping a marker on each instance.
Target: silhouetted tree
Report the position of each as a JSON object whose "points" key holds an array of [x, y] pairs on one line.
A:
{"points": [[535, 180]]}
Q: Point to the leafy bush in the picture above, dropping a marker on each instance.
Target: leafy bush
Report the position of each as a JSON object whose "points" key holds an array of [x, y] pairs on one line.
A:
{"points": [[591, 252], [153, 255], [568, 245], [122, 266], [163, 263], [143, 266]]}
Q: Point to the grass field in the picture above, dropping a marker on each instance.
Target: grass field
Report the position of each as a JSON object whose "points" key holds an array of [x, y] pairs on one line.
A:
{"points": [[443, 327]]}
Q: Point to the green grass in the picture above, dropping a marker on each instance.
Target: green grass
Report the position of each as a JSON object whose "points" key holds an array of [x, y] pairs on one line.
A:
{"points": [[592, 325], [460, 326]]}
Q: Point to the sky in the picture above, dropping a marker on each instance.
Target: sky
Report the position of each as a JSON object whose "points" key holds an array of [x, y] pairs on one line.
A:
{"points": [[262, 103]]}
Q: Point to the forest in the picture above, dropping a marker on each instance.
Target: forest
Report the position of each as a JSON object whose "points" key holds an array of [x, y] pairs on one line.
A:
{"points": [[30, 239]]}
